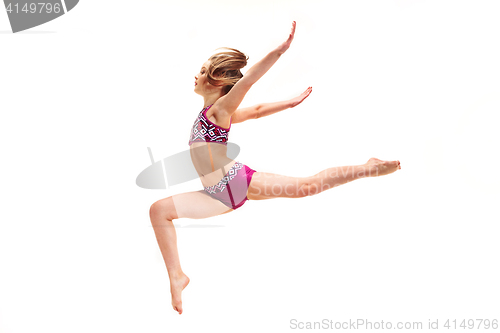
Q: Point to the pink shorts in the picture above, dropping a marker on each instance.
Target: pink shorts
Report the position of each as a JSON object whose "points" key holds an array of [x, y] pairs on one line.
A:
{"points": [[232, 189]]}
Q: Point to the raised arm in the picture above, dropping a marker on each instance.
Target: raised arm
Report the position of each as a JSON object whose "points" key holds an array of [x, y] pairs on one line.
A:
{"points": [[266, 109], [230, 102]]}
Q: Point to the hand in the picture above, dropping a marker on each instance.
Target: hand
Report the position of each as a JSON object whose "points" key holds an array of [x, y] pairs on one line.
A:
{"points": [[297, 100], [283, 47]]}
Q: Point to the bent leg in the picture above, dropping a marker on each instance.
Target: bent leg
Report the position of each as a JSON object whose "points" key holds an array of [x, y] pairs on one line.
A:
{"points": [[268, 185], [194, 205]]}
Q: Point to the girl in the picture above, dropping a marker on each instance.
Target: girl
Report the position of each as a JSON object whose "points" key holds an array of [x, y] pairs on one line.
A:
{"points": [[228, 183]]}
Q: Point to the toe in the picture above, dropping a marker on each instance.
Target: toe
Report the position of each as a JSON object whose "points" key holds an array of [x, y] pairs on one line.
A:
{"points": [[178, 308]]}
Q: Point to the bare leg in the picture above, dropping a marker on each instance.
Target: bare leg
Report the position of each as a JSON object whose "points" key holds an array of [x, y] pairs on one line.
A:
{"points": [[167, 240], [268, 185], [199, 205], [193, 205], [341, 175]]}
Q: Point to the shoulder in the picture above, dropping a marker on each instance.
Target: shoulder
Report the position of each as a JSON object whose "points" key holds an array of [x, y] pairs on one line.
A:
{"points": [[218, 115], [218, 110]]}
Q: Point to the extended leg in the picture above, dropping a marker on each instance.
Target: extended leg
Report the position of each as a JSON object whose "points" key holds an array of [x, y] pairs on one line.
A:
{"points": [[194, 205], [267, 185]]}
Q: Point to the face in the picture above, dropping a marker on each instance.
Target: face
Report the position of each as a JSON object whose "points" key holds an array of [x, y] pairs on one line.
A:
{"points": [[202, 86], [201, 82]]}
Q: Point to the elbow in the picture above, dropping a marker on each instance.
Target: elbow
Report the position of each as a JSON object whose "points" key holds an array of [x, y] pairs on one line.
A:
{"points": [[257, 113]]}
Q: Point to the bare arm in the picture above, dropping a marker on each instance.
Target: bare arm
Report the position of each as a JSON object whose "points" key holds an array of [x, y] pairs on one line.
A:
{"points": [[230, 102], [266, 109]]}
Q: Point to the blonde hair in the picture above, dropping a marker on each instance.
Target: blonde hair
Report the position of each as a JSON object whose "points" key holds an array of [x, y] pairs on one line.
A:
{"points": [[224, 69]]}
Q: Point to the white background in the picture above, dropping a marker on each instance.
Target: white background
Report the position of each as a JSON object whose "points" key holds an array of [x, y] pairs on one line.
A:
{"points": [[83, 96]]}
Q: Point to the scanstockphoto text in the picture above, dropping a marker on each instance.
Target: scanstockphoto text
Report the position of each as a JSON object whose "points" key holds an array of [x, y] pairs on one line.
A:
{"points": [[433, 324]]}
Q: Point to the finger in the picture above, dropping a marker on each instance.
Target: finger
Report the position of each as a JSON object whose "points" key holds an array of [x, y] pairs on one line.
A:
{"points": [[304, 96]]}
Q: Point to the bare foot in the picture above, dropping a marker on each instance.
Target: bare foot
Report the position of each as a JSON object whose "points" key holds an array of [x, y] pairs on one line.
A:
{"points": [[177, 285], [381, 168]]}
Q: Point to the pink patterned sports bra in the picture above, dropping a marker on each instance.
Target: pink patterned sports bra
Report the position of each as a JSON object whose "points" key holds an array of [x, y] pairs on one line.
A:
{"points": [[205, 131]]}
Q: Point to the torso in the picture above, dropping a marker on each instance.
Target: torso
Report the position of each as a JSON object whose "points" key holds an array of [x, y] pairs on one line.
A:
{"points": [[211, 170]]}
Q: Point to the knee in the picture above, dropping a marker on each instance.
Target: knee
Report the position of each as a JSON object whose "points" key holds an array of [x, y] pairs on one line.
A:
{"points": [[163, 208]]}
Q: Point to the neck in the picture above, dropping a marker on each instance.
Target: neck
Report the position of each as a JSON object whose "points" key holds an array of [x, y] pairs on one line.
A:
{"points": [[211, 99]]}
